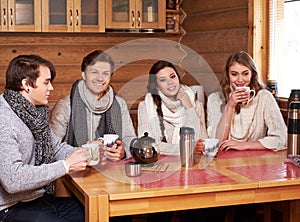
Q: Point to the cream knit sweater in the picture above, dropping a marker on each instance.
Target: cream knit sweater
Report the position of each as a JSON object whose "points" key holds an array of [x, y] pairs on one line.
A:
{"points": [[260, 120]]}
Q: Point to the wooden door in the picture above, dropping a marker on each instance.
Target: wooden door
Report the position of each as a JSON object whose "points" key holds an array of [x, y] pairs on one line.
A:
{"points": [[73, 16], [152, 14], [90, 15], [20, 15], [120, 14]]}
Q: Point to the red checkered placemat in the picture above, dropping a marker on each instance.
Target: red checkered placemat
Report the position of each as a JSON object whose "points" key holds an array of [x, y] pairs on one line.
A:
{"points": [[243, 153], [183, 178], [268, 172]]}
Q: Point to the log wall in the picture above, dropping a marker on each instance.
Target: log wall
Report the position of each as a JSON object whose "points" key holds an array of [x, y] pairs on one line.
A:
{"points": [[66, 52], [213, 29]]}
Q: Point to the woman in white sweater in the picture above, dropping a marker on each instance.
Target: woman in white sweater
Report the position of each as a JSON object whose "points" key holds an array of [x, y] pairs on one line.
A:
{"points": [[169, 105], [241, 124]]}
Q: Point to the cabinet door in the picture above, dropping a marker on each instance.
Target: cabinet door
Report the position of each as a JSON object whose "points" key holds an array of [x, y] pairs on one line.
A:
{"points": [[135, 14], [73, 16], [21, 15], [90, 16], [152, 14], [120, 14]]}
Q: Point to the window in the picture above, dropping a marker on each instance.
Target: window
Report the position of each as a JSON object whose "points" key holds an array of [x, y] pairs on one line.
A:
{"points": [[284, 53]]}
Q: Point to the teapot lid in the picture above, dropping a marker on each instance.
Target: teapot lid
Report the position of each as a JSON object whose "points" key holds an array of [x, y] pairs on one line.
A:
{"points": [[146, 138]]}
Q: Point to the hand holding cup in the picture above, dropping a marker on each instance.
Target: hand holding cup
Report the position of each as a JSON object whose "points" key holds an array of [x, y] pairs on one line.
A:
{"points": [[113, 147], [246, 89]]}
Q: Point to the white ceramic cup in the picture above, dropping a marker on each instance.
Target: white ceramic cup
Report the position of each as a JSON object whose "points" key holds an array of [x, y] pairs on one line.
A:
{"points": [[94, 153], [109, 140], [211, 147], [247, 89]]}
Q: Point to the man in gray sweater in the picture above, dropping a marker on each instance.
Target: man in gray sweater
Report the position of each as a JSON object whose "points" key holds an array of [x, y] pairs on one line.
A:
{"points": [[32, 156]]}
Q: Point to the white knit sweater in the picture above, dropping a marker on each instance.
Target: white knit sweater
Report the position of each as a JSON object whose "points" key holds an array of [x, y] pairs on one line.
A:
{"points": [[260, 120]]}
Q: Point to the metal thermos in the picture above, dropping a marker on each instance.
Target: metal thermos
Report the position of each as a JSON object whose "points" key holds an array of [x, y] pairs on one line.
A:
{"points": [[294, 96], [293, 125], [187, 144]]}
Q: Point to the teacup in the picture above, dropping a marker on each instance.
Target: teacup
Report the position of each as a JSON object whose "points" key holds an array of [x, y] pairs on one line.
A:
{"points": [[94, 153], [246, 89], [211, 147], [109, 140]]}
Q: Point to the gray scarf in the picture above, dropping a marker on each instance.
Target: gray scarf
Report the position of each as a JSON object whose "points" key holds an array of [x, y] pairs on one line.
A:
{"points": [[110, 121], [36, 119]]}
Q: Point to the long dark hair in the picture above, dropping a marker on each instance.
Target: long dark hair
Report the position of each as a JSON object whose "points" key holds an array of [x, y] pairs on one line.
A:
{"points": [[152, 89], [245, 59]]}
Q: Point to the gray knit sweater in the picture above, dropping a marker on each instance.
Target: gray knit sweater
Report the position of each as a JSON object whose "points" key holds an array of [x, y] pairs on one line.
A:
{"points": [[20, 180]]}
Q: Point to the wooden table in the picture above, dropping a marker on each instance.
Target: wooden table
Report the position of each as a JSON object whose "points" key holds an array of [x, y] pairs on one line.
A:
{"points": [[234, 177]]}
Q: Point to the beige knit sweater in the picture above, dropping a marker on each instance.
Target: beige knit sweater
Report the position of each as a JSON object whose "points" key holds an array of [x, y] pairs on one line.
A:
{"points": [[195, 118], [260, 120]]}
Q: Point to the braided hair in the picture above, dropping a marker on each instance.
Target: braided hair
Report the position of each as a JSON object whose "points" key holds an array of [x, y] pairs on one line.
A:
{"points": [[152, 89]]}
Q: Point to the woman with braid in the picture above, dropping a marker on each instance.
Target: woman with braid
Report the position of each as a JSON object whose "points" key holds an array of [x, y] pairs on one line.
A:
{"points": [[169, 105], [92, 109], [32, 156]]}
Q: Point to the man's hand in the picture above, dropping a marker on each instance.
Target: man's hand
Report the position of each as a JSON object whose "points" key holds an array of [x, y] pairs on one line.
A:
{"points": [[78, 160], [115, 154]]}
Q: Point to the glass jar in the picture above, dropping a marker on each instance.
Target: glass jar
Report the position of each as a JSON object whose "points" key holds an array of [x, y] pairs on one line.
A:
{"points": [[273, 88]]}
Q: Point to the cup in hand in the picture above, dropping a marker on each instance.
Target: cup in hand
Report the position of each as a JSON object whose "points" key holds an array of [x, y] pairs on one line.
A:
{"points": [[109, 140], [94, 153], [211, 147], [247, 89]]}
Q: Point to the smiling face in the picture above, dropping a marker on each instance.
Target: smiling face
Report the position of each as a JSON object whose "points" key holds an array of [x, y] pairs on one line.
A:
{"points": [[239, 75], [97, 78], [40, 93], [168, 82]]}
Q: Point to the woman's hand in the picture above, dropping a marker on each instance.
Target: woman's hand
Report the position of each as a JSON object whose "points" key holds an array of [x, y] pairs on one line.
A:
{"points": [[235, 145], [198, 150], [232, 144], [115, 154], [199, 147], [238, 97], [184, 98]]}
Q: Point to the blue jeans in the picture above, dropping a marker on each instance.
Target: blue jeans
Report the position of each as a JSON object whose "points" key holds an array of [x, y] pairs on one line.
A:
{"points": [[46, 208]]}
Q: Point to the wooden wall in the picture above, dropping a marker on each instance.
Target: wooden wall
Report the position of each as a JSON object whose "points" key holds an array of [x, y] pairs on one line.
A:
{"points": [[66, 52], [215, 29]]}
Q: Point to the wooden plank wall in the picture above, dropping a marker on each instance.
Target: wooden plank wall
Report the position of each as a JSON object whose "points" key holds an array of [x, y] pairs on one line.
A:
{"points": [[66, 51], [215, 29]]}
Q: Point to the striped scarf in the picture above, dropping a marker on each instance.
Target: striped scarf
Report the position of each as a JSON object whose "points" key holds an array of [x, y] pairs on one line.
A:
{"points": [[110, 121], [36, 119]]}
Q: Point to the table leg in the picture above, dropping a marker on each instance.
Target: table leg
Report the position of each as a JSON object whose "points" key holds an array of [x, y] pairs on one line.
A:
{"points": [[103, 205]]}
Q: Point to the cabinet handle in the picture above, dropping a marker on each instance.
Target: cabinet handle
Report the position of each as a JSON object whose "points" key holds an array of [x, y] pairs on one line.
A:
{"points": [[139, 19], [71, 18], [77, 17], [4, 16], [11, 17], [132, 19]]}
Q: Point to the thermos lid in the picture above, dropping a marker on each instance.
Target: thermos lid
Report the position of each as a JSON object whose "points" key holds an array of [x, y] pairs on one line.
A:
{"points": [[295, 105], [295, 93], [186, 130]]}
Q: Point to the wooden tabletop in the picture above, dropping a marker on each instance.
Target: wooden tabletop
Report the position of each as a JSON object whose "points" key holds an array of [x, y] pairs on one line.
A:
{"points": [[234, 177]]}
